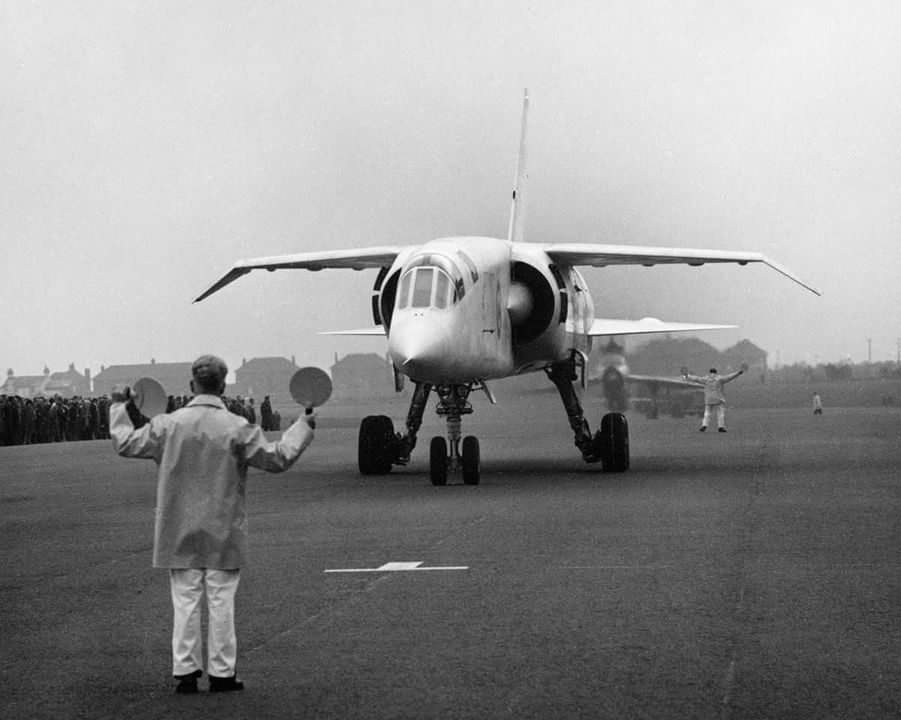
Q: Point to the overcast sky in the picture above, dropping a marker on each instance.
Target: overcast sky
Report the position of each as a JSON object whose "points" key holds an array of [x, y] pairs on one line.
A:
{"points": [[146, 146]]}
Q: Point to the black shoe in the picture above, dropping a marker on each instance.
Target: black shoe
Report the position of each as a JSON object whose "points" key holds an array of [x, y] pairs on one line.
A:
{"points": [[226, 684], [722, 430], [187, 684], [703, 428]]}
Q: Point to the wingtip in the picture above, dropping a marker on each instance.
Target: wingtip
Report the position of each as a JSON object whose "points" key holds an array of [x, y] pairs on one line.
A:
{"points": [[778, 267], [229, 277]]}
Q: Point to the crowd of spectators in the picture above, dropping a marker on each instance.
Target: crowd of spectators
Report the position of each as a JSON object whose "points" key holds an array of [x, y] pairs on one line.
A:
{"points": [[27, 421], [268, 419]]}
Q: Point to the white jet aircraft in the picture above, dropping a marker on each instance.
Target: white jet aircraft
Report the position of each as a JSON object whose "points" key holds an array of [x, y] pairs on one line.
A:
{"points": [[460, 311]]}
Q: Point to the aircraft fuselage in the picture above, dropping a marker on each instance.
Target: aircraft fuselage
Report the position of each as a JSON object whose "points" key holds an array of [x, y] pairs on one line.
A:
{"points": [[478, 308]]}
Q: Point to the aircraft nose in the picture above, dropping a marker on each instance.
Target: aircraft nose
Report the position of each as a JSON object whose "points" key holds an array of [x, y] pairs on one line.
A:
{"points": [[416, 354]]}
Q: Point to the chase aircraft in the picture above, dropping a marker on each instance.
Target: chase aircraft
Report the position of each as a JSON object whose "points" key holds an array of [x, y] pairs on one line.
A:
{"points": [[460, 311], [665, 394]]}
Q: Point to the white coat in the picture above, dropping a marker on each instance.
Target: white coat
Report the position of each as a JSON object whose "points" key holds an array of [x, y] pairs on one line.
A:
{"points": [[713, 385], [203, 452]]}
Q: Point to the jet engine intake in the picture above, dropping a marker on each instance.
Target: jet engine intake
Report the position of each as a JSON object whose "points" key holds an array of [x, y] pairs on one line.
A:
{"points": [[531, 302], [384, 294]]}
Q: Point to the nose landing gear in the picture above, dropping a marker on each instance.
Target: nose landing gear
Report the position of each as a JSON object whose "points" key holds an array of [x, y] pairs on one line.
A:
{"points": [[448, 455], [379, 447]]}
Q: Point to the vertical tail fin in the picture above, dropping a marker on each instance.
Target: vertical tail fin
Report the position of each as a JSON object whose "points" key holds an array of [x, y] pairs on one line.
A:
{"points": [[517, 208]]}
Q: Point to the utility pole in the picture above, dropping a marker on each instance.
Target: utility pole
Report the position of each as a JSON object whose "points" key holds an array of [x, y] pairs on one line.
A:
{"points": [[869, 351]]}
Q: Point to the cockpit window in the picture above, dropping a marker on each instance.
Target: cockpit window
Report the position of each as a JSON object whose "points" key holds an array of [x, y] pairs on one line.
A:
{"points": [[473, 270], [431, 287], [404, 292], [442, 285], [422, 287]]}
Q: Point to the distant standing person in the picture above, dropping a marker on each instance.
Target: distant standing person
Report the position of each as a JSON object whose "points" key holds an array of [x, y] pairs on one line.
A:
{"points": [[266, 413], [203, 452], [714, 397], [817, 404]]}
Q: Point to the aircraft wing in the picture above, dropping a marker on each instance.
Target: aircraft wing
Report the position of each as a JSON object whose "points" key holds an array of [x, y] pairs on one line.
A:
{"points": [[671, 382], [598, 255], [353, 259], [375, 330], [604, 326]]}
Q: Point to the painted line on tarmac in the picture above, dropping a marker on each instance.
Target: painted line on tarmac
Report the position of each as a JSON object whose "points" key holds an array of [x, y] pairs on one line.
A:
{"points": [[615, 567], [398, 567]]}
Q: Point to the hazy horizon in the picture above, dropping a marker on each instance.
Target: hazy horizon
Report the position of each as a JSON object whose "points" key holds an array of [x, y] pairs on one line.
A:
{"points": [[147, 147]]}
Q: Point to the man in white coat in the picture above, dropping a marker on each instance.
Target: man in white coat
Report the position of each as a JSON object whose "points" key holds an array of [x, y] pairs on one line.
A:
{"points": [[203, 452], [714, 397]]}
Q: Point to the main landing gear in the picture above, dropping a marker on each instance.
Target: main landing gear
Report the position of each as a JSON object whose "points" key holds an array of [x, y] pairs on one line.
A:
{"points": [[379, 447], [610, 444]]}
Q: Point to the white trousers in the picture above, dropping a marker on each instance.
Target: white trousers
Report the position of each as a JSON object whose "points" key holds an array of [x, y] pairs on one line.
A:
{"points": [[188, 589], [720, 415]]}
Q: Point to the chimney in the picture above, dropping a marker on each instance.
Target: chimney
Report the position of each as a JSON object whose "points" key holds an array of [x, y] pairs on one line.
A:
{"points": [[293, 361]]}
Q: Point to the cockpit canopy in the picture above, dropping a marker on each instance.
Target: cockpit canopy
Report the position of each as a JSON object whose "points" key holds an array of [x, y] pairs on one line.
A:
{"points": [[430, 280]]}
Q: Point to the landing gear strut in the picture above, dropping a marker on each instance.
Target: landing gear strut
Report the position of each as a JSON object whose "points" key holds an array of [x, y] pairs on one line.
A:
{"points": [[449, 455], [610, 445], [379, 447]]}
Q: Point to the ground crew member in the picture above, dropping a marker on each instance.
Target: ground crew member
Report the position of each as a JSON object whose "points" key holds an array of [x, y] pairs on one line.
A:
{"points": [[203, 452], [714, 398], [817, 404]]}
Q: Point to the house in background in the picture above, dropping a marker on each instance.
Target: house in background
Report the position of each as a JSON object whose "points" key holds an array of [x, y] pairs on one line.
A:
{"points": [[173, 376], [362, 376], [262, 376], [65, 384]]}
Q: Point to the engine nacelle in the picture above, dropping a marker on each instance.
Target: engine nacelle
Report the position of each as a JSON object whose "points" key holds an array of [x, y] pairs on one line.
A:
{"points": [[384, 294], [519, 304], [532, 303]]}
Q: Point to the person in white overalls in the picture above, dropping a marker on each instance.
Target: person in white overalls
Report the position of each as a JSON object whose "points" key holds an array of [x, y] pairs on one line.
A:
{"points": [[714, 398]]}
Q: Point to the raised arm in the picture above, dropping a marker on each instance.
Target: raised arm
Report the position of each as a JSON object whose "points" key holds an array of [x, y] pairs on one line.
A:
{"points": [[691, 378], [731, 376], [128, 441], [281, 454]]}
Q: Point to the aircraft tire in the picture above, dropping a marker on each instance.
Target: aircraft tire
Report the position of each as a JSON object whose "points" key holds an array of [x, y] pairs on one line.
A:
{"points": [[375, 445], [613, 439], [471, 460], [438, 461]]}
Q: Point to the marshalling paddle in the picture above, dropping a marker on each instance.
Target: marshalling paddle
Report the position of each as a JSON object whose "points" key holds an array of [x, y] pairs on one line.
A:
{"points": [[149, 397], [310, 387]]}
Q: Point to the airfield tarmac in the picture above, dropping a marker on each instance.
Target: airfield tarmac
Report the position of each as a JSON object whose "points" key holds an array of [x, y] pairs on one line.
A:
{"points": [[753, 574]]}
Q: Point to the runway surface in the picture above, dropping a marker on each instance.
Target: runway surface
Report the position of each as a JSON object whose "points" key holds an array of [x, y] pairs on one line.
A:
{"points": [[753, 574]]}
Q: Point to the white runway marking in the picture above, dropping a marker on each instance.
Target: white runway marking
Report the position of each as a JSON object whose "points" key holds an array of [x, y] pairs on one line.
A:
{"points": [[398, 567], [615, 567]]}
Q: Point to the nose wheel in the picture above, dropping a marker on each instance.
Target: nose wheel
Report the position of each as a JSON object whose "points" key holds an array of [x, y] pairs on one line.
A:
{"points": [[452, 455], [471, 461], [466, 459], [438, 461]]}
